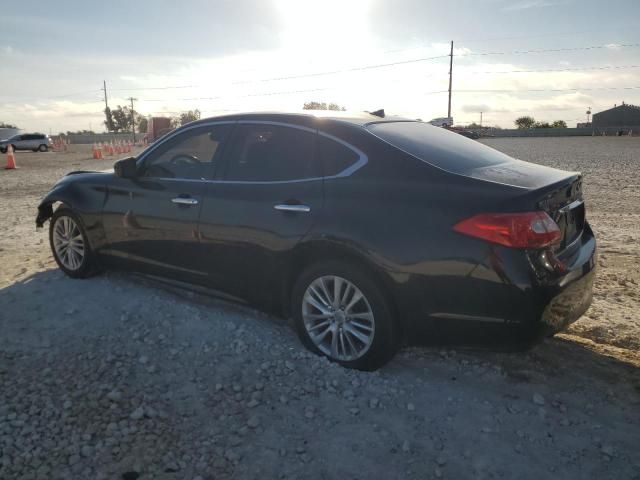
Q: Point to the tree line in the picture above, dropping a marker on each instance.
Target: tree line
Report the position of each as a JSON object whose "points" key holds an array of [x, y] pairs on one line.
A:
{"points": [[119, 119], [527, 122]]}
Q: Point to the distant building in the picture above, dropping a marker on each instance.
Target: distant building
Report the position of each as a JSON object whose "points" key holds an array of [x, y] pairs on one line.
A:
{"points": [[583, 125], [619, 116]]}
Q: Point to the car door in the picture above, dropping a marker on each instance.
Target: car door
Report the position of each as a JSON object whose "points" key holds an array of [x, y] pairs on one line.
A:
{"points": [[261, 207], [22, 142], [151, 220]]}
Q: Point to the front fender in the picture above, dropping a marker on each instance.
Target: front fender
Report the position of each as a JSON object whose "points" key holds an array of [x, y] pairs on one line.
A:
{"points": [[62, 193]]}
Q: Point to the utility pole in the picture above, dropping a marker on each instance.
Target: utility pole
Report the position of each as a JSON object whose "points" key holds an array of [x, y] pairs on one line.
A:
{"points": [[133, 118], [106, 104], [450, 79], [480, 118], [104, 88]]}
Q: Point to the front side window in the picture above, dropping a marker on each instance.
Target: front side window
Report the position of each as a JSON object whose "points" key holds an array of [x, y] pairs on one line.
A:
{"points": [[189, 155], [271, 153]]}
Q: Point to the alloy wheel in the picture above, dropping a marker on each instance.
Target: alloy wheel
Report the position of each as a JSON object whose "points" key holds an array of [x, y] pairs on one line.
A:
{"points": [[68, 243], [338, 318]]}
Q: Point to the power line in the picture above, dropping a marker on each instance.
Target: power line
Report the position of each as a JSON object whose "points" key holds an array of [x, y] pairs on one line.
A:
{"points": [[424, 59], [221, 97], [546, 90], [345, 70], [550, 50], [152, 88], [576, 69], [590, 31], [514, 37]]}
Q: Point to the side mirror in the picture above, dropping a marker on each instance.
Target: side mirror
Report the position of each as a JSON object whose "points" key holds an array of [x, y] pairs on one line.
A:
{"points": [[126, 168]]}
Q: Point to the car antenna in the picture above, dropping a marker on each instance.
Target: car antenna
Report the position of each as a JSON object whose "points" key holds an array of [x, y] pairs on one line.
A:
{"points": [[378, 113]]}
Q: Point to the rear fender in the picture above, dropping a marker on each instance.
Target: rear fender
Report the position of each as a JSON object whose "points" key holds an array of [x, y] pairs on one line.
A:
{"points": [[317, 250]]}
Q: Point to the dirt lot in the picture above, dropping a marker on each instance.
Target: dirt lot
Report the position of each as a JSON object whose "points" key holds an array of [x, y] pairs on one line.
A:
{"points": [[115, 377]]}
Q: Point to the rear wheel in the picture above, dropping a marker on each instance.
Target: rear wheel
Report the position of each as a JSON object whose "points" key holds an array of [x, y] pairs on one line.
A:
{"points": [[43, 148], [341, 313], [69, 244]]}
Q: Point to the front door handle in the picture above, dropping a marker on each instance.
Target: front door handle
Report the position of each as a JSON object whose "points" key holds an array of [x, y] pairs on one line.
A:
{"points": [[292, 208], [185, 201]]}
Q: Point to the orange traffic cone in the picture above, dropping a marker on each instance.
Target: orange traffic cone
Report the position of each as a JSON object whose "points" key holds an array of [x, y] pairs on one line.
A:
{"points": [[100, 151], [94, 150], [11, 159]]}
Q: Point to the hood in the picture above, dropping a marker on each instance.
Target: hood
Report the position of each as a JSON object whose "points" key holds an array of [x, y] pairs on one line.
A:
{"points": [[83, 175]]}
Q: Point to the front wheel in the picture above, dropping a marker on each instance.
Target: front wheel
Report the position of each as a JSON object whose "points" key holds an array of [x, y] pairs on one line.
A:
{"points": [[69, 244], [341, 313]]}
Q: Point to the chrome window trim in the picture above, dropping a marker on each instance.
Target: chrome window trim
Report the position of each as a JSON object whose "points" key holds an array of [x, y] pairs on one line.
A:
{"points": [[442, 169], [361, 162], [357, 165]]}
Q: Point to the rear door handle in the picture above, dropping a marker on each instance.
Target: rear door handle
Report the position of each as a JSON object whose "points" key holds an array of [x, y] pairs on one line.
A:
{"points": [[292, 208], [185, 201]]}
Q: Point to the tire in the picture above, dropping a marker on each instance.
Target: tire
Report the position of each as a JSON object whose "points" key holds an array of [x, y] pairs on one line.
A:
{"points": [[43, 148], [382, 333], [87, 265], [3, 150]]}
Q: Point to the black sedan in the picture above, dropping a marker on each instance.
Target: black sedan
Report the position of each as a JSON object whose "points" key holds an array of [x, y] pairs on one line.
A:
{"points": [[369, 232]]}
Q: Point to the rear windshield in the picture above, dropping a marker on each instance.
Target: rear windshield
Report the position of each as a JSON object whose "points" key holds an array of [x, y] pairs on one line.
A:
{"points": [[437, 146]]}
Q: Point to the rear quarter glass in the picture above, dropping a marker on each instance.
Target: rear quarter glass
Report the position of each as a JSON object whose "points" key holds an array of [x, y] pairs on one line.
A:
{"points": [[446, 150], [456, 154]]}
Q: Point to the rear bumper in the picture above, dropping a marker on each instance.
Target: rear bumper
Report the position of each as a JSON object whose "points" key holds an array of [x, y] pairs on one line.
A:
{"points": [[567, 298], [509, 298]]}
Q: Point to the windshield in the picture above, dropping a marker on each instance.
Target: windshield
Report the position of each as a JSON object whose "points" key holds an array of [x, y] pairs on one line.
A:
{"points": [[437, 146]]}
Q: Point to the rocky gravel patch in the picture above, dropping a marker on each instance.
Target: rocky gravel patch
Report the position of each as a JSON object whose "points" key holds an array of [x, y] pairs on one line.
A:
{"points": [[117, 378]]}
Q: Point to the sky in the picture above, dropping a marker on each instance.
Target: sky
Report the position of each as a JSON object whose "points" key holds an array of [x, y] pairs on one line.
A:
{"points": [[551, 59]]}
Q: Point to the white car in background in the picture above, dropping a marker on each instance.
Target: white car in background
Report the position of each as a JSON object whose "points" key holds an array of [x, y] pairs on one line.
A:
{"points": [[38, 142]]}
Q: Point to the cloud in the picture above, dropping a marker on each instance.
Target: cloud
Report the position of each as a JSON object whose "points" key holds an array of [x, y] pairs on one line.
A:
{"points": [[476, 108], [445, 49], [527, 4]]}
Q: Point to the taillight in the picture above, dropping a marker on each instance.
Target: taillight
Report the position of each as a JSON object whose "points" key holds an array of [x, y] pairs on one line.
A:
{"points": [[517, 230]]}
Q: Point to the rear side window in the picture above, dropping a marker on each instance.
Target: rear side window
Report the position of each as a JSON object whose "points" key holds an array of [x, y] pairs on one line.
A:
{"points": [[271, 153], [335, 157], [439, 147]]}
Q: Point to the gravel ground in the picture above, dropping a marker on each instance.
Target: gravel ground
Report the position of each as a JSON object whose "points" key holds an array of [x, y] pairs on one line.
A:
{"points": [[118, 377]]}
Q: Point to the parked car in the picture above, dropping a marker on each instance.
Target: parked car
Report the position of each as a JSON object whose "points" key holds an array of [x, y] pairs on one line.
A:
{"points": [[38, 142], [370, 232], [468, 133]]}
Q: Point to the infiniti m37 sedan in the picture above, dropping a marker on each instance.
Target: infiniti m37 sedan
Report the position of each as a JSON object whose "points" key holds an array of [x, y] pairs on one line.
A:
{"points": [[369, 231]]}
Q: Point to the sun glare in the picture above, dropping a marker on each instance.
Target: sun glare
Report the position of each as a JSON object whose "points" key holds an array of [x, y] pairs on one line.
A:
{"points": [[320, 27]]}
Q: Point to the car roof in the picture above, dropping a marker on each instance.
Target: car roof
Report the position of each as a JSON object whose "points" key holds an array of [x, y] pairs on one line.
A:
{"points": [[308, 118]]}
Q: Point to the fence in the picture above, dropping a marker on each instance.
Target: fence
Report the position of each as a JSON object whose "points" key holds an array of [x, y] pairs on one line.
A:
{"points": [[561, 132], [101, 137]]}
